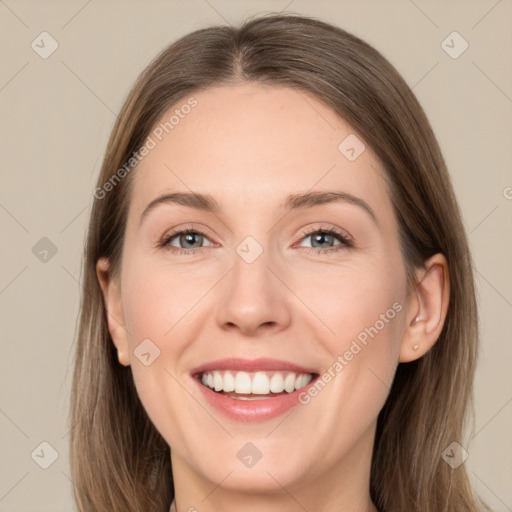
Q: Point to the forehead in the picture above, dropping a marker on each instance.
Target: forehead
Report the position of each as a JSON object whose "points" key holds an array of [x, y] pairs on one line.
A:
{"points": [[253, 144]]}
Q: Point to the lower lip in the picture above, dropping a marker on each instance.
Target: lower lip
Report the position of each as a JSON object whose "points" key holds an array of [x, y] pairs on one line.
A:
{"points": [[256, 410]]}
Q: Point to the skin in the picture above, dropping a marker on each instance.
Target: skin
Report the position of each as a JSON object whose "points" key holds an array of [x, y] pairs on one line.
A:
{"points": [[250, 146]]}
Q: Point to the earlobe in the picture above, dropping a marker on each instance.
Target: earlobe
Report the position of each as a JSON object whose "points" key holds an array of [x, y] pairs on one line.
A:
{"points": [[427, 309], [114, 310]]}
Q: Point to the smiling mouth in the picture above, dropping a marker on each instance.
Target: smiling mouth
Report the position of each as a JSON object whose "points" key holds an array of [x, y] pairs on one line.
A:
{"points": [[259, 385]]}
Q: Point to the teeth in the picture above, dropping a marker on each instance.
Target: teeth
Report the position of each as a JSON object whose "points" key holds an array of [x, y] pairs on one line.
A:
{"points": [[258, 383], [289, 383], [276, 383], [301, 381], [217, 381], [242, 382], [228, 382]]}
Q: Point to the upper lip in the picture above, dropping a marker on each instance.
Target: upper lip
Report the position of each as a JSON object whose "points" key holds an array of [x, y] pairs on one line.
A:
{"points": [[251, 365]]}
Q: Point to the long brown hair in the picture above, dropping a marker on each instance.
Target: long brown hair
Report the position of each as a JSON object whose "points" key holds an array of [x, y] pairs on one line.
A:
{"points": [[119, 462]]}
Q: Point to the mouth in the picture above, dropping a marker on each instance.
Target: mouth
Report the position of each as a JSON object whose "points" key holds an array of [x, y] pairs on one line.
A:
{"points": [[259, 385], [252, 390]]}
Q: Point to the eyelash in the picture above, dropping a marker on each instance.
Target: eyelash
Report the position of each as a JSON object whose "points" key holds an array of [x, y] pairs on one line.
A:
{"points": [[344, 239]]}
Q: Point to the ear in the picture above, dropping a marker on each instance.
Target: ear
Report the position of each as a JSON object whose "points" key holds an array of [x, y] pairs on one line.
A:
{"points": [[426, 310], [115, 317]]}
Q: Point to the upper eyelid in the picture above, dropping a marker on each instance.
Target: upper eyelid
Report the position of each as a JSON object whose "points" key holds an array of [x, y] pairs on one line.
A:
{"points": [[173, 233], [328, 229]]}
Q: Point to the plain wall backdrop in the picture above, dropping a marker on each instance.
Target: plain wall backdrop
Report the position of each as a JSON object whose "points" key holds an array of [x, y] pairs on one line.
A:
{"points": [[57, 110]]}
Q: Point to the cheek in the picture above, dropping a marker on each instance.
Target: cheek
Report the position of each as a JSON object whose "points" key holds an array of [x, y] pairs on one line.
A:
{"points": [[158, 305], [362, 300], [159, 300], [364, 307], [369, 345], [366, 311], [371, 316]]}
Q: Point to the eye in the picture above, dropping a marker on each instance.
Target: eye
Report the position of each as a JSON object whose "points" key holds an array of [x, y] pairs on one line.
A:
{"points": [[324, 240], [187, 239]]}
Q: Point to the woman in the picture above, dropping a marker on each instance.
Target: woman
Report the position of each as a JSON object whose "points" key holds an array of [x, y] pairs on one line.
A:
{"points": [[314, 348]]}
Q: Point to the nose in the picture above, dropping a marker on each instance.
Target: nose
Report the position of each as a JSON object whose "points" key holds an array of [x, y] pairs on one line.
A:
{"points": [[254, 299]]}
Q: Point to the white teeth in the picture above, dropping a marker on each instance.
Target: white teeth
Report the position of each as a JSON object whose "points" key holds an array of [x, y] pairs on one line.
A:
{"points": [[277, 383], [258, 383], [242, 382], [217, 381], [229, 382], [302, 380], [289, 382]]}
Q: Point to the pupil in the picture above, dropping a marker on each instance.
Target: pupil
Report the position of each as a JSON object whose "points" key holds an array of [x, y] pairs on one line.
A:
{"points": [[321, 238], [189, 238]]}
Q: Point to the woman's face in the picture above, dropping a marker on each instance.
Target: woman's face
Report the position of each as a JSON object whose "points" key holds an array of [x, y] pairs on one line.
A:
{"points": [[258, 291]]}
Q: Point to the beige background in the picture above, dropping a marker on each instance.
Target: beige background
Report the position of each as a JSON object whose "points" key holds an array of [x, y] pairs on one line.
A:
{"points": [[57, 114]]}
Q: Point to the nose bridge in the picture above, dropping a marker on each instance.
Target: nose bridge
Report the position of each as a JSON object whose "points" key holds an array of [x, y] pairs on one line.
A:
{"points": [[250, 273], [253, 297]]}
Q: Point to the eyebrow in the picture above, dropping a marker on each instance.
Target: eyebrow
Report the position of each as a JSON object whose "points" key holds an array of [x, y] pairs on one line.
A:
{"points": [[207, 203]]}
